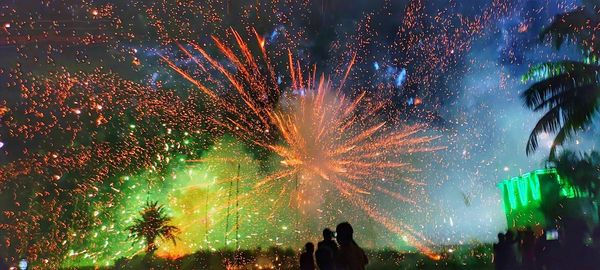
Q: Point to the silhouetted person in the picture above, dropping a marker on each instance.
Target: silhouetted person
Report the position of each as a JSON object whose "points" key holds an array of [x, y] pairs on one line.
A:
{"points": [[511, 251], [547, 251], [500, 252], [350, 256], [528, 249], [307, 258], [541, 251], [575, 254], [325, 258], [596, 246], [328, 241]]}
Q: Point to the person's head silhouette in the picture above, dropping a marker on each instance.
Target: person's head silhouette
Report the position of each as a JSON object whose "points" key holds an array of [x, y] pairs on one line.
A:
{"points": [[309, 248], [509, 236], [501, 237], [344, 233], [327, 234]]}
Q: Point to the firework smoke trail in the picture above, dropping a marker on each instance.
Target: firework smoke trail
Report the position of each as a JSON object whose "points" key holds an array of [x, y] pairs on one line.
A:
{"points": [[325, 138]]}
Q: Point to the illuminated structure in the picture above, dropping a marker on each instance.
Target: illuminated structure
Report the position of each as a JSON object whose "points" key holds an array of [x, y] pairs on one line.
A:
{"points": [[528, 198]]}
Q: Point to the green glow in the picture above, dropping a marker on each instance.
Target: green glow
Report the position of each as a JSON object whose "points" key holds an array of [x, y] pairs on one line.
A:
{"points": [[196, 197], [526, 187], [510, 190], [504, 199], [534, 182], [522, 195], [522, 187]]}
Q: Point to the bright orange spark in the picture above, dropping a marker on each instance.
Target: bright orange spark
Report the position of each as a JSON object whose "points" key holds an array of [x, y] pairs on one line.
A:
{"points": [[326, 141]]}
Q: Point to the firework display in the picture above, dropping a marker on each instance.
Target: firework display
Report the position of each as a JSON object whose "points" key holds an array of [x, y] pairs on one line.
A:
{"points": [[253, 123]]}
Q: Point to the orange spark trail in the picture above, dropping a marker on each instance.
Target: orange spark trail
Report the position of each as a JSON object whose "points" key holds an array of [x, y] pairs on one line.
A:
{"points": [[332, 145]]}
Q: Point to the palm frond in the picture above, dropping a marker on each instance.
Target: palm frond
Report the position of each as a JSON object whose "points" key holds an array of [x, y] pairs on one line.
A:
{"points": [[550, 69], [152, 223], [569, 90], [553, 101], [569, 112], [573, 75], [569, 26], [578, 114], [549, 123], [581, 169], [169, 232]]}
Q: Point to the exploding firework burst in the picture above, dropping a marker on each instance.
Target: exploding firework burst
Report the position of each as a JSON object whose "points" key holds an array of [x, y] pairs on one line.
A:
{"points": [[329, 145], [82, 150]]}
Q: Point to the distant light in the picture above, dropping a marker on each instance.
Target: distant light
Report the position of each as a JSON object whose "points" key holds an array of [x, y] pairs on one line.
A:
{"points": [[401, 78], [506, 169], [418, 101], [1, 144], [136, 61], [274, 34], [95, 12], [23, 264], [7, 25], [132, 126]]}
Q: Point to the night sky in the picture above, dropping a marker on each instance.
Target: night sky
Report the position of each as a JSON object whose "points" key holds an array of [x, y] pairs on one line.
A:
{"points": [[94, 120]]}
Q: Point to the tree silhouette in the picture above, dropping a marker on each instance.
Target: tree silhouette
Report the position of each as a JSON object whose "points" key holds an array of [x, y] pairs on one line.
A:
{"points": [[582, 170], [568, 91], [153, 223]]}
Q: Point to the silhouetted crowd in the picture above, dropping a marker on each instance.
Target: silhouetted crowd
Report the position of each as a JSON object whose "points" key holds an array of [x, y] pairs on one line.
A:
{"points": [[572, 246], [343, 254]]}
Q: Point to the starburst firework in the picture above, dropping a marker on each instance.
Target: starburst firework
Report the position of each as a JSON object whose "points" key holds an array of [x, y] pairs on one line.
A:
{"points": [[329, 145]]}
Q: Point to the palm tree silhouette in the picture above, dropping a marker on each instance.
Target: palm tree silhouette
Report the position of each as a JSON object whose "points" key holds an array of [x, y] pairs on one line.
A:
{"points": [[568, 91], [583, 170], [153, 223]]}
